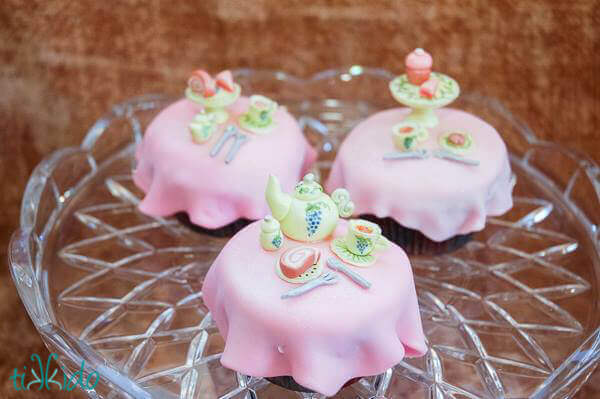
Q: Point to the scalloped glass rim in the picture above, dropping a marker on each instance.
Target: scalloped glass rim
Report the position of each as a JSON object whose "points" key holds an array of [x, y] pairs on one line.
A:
{"points": [[26, 247]]}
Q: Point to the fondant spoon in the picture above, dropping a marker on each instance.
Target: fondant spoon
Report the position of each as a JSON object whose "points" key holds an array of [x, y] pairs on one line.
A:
{"points": [[417, 154], [444, 154], [227, 134], [239, 140]]}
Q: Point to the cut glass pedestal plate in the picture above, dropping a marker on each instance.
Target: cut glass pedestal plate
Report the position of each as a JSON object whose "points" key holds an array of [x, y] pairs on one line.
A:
{"points": [[514, 314]]}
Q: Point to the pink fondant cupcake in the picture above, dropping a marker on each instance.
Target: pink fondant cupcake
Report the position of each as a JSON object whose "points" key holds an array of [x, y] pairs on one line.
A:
{"points": [[205, 157], [418, 66], [429, 178], [319, 302]]}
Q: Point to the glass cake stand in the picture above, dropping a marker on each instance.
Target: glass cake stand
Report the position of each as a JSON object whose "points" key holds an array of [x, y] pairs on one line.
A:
{"points": [[513, 314]]}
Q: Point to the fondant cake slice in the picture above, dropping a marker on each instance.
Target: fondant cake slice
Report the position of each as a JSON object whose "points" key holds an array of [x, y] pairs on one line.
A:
{"points": [[297, 260]]}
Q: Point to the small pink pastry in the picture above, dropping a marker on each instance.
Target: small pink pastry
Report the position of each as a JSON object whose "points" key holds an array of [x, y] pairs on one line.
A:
{"points": [[297, 260], [225, 80], [418, 66], [429, 88], [457, 139], [202, 83]]}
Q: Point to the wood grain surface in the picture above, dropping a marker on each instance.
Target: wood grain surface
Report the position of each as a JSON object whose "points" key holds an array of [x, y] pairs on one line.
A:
{"points": [[65, 62]]}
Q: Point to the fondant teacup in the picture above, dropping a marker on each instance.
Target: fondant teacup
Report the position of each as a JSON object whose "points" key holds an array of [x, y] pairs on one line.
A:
{"points": [[202, 127], [364, 237], [261, 109], [407, 135]]}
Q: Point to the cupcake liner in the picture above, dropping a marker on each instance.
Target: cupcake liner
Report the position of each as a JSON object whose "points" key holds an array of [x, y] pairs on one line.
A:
{"points": [[288, 382], [226, 231], [413, 241]]}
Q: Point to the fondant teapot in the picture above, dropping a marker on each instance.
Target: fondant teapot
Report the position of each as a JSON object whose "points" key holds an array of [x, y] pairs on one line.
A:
{"points": [[309, 215]]}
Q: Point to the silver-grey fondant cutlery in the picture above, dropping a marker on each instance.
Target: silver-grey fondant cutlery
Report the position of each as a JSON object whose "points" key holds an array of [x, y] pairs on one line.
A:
{"points": [[338, 265], [424, 154], [416, 154], [239, 139], [328, 278], [445, 154]]}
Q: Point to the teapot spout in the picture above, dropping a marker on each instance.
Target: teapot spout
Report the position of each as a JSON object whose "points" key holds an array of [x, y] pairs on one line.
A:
{"points": [[278, 201]]}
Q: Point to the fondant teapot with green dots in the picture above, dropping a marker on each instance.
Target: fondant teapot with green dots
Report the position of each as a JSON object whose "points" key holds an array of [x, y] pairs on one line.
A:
{"points": [[309, 214]]}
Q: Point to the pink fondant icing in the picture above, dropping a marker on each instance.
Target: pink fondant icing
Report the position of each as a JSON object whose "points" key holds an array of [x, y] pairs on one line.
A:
{"points": [[418, 66], [179, 175], [418, 59], [323, 338], [438, 197]]}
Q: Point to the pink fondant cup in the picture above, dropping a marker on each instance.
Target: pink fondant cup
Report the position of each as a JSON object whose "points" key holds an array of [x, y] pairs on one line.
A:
{"points": [[178, 174], [323, 338], [439, 198]]}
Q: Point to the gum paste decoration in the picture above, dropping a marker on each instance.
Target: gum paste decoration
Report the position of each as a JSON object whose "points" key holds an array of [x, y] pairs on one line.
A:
{"points": [[423, 91], [259, 118], [309, 218], [457, 142], [214, 95]]}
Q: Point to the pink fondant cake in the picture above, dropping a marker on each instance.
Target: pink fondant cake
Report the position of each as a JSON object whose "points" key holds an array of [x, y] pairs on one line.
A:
{"points": [[440, 173], [435, 196], [179, 168], [353, 313]]}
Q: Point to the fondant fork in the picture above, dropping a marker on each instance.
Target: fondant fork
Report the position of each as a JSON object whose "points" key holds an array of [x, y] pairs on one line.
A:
{"points": [[328, 278], [336, 264], [230, 132]]}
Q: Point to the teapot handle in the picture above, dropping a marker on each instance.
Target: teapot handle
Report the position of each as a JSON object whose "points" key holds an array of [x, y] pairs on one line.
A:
{"points": [[341, 198]]}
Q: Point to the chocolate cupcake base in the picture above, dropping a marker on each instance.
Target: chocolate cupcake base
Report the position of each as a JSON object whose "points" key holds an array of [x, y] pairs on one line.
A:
{"points": [[288, 382], [413, 241], [226, 231]]}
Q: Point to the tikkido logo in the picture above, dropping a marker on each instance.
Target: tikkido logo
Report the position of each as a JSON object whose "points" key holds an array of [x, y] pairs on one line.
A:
{"points": [[44, 380]]}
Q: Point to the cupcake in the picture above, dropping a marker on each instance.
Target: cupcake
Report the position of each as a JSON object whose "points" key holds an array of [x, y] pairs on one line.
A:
{"points": [[418, 66], [329, 302], [427, 174], [205, 157]]}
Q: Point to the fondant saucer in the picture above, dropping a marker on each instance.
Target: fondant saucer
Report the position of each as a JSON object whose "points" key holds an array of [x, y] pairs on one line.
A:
{"points": [[338, 246], [311, 274], [246, 123]]}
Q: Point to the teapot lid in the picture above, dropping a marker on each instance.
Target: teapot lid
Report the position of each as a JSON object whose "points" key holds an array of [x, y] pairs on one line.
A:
{"points": [[308, 188], [269, 224]]}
